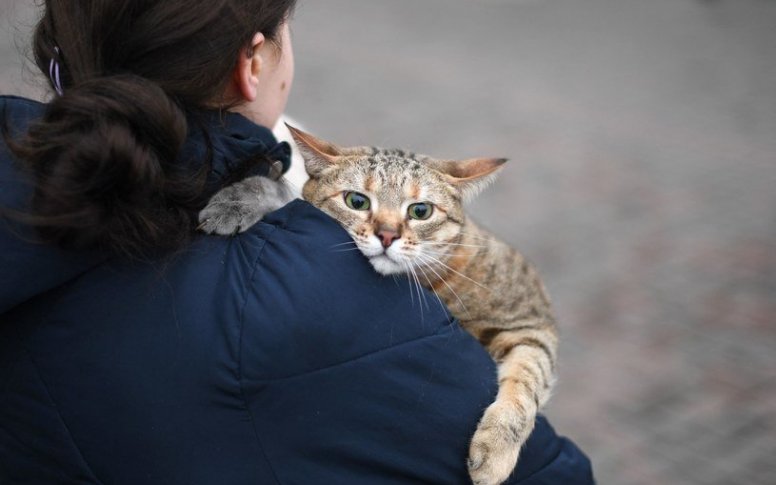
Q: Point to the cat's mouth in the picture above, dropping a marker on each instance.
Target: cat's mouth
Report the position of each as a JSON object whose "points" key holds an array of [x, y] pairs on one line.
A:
{"points": [[386, 265], [386, 261]]}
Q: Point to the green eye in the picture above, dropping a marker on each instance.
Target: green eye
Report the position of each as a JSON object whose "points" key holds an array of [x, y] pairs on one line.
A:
{"points": [[356, 201], [421, 211]]}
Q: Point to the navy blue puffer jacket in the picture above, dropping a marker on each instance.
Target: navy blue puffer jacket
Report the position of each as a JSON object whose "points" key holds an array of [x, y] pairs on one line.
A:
{"points": [[267, 358]]}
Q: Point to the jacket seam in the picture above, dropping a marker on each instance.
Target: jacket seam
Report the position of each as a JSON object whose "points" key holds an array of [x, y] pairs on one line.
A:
{"points": [[240, 357], [66, 282], [62, 419], [357, 358]]}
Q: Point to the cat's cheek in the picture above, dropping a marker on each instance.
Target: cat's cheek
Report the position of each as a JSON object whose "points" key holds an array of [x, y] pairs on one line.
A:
{"points": [[446, 232]]}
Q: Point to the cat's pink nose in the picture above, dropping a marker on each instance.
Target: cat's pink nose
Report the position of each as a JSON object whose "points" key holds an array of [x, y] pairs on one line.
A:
{"points": [[387, 236]]}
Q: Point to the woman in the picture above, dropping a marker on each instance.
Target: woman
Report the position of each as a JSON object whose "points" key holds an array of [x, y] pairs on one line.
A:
{"points": [[135, 351]]}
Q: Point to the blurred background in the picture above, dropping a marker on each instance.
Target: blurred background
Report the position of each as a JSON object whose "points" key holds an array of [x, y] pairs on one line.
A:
{"points": [[642, 183]]}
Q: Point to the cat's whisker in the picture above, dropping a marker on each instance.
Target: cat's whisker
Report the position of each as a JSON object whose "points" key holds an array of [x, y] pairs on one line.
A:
{"points": [[409, 282], [457, 272], [343, 244], [438, 247], [460, 302], [431, 286], [420, 285], [345, 250], [421, 295], [429, 260], [438, 253], [431, 243], [422, 265], [411, 272]]}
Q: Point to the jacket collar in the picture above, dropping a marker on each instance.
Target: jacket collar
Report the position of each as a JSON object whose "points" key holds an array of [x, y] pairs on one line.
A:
{"points": [[235, 147]]}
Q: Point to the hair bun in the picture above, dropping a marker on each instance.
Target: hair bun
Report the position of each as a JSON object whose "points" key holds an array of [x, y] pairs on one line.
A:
{"points": [[101, 159]]}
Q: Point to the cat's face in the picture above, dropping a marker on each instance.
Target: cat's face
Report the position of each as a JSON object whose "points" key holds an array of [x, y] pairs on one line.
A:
{"points": [[398, 211], [403, 211]]}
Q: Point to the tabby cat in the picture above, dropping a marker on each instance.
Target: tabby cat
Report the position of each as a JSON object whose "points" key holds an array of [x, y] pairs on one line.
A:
{"points": [[405, 213]]}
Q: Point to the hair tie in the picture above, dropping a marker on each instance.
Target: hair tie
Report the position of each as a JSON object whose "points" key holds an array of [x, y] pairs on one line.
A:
{"points": [[54, 73]]}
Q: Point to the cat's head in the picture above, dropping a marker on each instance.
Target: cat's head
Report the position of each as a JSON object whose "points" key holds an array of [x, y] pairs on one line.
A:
{"points": [[402, 210]]}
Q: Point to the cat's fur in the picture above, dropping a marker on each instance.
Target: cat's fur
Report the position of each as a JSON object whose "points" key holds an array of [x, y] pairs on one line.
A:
{"points": [[493, 291]]}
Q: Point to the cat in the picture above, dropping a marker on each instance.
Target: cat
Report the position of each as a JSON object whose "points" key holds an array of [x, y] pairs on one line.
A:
{"points": [[405, 213]]}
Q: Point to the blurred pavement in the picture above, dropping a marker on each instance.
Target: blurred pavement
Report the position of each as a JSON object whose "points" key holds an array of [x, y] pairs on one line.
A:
{"points": [[642, 182]]}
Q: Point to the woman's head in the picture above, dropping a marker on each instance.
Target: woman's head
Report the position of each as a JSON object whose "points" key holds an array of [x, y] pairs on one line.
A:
{"points": [[189, 48], [103, 156], [262, 78]]}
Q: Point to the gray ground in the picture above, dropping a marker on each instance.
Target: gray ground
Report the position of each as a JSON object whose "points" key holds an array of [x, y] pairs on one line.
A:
{"points": [[642, 136]]}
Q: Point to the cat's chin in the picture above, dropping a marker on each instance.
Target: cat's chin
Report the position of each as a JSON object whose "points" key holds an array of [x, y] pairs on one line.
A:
{"points": [[386, 266]]}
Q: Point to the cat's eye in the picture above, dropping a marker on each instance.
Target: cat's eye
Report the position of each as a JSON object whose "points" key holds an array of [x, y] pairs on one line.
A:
{"points": [[420, 211], [356, 201]]}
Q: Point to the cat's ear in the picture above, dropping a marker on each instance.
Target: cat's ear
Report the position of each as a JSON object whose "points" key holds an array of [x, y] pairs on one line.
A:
{"points": [[318, 154], [470, 176]]}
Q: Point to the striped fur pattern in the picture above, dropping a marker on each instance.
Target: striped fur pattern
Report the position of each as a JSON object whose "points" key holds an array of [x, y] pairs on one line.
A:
{"points": [[490, 287]]}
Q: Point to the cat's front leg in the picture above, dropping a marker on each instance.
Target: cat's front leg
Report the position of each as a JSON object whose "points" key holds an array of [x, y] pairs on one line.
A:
{"points": [[526, 357], [496, 444], [239, 206]]}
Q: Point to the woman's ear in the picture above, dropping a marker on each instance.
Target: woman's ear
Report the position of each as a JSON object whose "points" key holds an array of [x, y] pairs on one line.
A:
{"points": [[248, 69]]}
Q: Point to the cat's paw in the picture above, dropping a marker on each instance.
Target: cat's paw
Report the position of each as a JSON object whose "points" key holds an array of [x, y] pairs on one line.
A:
{"points": [[230, 211], [236, 208], [496, 444]]}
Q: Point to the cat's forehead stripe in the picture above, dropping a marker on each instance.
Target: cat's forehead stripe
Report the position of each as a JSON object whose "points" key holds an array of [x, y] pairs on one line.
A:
{"points": [[414, 191], [370, 184]]}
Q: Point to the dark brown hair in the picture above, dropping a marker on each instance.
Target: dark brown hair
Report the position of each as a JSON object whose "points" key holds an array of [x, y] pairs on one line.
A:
{"points": [[103, 156]]}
